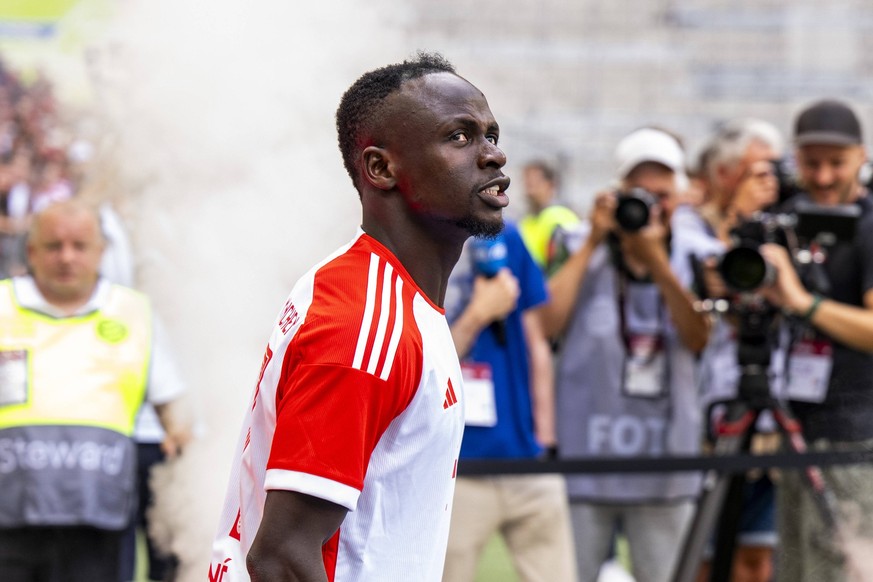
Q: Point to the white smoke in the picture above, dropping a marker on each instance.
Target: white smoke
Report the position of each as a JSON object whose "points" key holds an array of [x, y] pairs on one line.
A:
{"points": [[218, 119]]}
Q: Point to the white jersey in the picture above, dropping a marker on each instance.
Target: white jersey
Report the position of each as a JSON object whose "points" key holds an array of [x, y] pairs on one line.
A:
{"points": [[359, 402]]}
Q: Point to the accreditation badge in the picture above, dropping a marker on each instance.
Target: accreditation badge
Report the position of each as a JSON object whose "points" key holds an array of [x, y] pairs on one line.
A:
{"points": [[809, 370], [645, 366], [480, 408], [13, 377]]}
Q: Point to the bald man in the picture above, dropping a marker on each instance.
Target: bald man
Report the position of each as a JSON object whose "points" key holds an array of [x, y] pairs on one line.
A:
{"points": [[77, 357]]}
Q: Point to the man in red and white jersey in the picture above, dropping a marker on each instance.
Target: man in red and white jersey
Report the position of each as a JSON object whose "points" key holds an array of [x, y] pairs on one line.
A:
{"points": [[346, 464]]}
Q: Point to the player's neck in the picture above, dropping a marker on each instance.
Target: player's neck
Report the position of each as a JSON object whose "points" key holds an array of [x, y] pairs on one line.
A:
{"points": [[428, 261]]}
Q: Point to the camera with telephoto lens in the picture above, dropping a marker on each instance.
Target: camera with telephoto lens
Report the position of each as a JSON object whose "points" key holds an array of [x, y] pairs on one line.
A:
{"points": [[633, 209], [806, 232]]}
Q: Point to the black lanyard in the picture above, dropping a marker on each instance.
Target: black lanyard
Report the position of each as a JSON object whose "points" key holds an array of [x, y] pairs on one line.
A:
{"points": [[622, 282]]}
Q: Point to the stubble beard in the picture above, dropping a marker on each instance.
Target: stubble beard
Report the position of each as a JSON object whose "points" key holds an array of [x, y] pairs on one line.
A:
{"points": [[481, 228]]}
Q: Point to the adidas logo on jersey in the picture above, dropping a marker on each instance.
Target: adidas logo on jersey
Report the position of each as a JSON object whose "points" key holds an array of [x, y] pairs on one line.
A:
{"points": [[451, 397]]}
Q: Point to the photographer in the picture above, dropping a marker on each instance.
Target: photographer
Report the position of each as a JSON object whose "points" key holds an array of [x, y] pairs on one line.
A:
{"points": [[738, 168], [626, 373], [834, 412], [737, 163]]}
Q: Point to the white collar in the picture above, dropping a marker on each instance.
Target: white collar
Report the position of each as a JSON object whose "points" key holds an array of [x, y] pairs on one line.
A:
{"points": [[28, 296]]}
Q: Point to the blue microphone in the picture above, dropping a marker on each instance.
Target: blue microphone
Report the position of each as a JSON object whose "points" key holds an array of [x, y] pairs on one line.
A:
{"points": [[490, 254]]}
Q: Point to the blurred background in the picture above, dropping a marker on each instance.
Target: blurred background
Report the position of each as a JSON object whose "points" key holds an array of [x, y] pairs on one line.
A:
{"points": [[208, 126]]}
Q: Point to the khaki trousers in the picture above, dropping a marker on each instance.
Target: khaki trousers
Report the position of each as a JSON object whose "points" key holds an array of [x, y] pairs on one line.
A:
{"points": [[531, 514]]}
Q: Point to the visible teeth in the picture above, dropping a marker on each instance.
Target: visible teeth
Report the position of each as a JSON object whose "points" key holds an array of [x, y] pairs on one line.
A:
{"points": [[493, 190]]}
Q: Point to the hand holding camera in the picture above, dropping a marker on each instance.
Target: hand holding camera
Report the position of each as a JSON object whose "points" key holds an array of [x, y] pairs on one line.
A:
{"points": [[802, 237], [640, 229], [633, 209], [602, 217], [786, 290]]}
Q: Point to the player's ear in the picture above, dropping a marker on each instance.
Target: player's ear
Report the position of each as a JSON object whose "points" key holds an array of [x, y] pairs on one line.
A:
{"points": [[378, 167]]}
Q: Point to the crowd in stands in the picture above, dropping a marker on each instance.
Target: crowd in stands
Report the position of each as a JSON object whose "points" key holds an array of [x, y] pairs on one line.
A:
{"points": [[38, 163]]}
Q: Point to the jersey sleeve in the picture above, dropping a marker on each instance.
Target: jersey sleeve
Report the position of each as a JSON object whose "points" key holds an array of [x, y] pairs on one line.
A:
{"points": [[328, 423], [352, 368]]}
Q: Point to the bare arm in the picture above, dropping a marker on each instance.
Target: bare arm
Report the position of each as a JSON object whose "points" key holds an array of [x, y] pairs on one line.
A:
{"points": [[564, 288], [542, 378], [848, 324], [177, 432], [649, 247], [564, 285], [692, 326], [288, 543], [492, 299]]}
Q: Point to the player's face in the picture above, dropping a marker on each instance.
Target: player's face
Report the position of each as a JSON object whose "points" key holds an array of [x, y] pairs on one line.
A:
{"points": [[443, 139], [830, 173], [64, 252]]}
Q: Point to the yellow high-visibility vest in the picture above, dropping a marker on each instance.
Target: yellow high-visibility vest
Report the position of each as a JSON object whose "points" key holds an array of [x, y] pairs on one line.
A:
{"points": [[536, 230], [88, 370]]}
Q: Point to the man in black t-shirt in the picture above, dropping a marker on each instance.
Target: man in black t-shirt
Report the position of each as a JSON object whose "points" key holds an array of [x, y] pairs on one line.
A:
{"points": [[830, 370]]}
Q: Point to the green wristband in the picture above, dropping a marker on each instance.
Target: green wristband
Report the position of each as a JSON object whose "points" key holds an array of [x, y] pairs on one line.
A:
{"points": [[816, 301]]}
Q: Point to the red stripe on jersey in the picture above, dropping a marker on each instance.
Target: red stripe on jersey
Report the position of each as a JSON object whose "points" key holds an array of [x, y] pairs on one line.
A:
{"points": [[234, 531], [329, 552], [389, 327], [377, 314], [268, 355]]}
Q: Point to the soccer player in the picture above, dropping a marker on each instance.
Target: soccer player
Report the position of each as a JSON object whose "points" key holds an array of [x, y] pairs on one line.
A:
{"points": [[346, 464]]}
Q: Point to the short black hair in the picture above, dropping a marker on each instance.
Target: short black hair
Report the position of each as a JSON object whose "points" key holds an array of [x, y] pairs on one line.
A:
{"points": [[361, 104]]}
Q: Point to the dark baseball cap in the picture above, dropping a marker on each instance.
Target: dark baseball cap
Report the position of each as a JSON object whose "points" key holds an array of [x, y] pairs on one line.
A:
{"points": [[827, 122]]}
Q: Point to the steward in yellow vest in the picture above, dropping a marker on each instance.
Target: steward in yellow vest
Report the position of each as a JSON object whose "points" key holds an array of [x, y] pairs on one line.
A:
{"points": [[75, 358], [70, 389]]}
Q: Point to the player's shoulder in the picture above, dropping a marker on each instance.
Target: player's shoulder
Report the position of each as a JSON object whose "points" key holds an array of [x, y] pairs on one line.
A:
{"points": [[360, 311], [359, 275]]}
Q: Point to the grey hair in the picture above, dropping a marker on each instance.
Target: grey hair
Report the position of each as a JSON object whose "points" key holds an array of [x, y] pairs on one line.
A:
{"points": [[733, 139]]}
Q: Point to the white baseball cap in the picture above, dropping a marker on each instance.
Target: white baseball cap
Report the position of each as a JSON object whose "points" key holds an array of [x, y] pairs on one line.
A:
{"points": [[649, 145]]}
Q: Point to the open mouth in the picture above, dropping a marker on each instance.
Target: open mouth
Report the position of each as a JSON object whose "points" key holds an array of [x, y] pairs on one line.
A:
{"points": [[494, 195]]}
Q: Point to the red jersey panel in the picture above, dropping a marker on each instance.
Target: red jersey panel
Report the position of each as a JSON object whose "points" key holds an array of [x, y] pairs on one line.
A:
{"points": [[358, 403]]}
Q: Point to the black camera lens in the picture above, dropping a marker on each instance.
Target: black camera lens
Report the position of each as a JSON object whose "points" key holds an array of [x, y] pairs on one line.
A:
{"points": [[633, 208], [745, 269]]}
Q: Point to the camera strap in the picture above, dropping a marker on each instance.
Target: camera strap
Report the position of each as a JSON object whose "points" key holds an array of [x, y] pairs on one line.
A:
{"points": [[645, 364]]}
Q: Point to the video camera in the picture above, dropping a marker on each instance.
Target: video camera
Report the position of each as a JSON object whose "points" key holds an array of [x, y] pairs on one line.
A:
{"points": [[806, 232]]}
